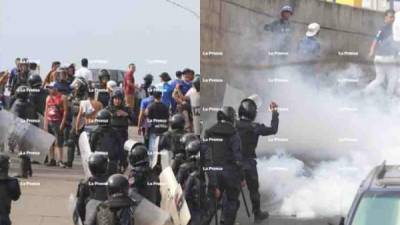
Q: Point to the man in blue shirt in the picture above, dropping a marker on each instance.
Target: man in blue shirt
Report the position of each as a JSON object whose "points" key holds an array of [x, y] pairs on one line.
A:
{"points": [[167, 89], [142, 120], [385, 50], [308, 51]]}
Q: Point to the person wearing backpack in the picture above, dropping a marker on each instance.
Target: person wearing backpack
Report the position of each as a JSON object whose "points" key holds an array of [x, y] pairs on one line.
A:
{"points": [[119, 208], [55, 120]]}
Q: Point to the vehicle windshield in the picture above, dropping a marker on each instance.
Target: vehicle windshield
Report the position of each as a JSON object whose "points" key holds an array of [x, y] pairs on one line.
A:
{"points": [[377, 208]]}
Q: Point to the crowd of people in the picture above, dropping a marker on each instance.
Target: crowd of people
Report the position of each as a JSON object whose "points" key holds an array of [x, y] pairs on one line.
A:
{"points": [[70, 101]]}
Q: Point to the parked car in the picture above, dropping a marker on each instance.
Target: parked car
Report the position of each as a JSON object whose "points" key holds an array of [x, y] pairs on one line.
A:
{"points": [[378, 198]]}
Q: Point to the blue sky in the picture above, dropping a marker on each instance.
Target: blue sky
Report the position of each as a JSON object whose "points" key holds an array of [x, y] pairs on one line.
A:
{"points": [[154, 34]]}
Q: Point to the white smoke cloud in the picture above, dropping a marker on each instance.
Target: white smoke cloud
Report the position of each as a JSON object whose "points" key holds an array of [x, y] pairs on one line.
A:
{"points": [[333, 137]]}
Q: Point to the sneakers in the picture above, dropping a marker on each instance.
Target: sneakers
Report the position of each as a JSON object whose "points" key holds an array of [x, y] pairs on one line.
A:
{"points": [[61, 164], [52, 163], [260, 216]]}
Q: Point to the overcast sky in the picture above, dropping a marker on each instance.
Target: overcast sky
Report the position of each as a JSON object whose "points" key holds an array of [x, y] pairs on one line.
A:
{"points": [[154, 34]]}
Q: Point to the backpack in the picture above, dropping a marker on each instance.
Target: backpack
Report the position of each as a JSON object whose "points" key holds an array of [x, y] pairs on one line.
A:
{"points": [[108, 216]]}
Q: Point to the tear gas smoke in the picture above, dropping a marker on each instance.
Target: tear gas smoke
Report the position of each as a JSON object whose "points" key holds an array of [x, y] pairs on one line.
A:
{"points": [[329, 139]]}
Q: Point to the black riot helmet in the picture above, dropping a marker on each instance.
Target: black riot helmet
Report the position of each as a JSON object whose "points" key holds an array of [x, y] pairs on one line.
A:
{"points": [[196, 83], [22, 92], [103, 118], [138, 156], [227, 113], [35, 81], [4, 165], [193, 148], [104, 75], [117, 183], [248, 109], [188, 137], [177, 121], [98, 164]]}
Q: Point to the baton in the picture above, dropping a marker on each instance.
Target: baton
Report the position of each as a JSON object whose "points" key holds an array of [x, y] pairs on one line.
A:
{"points": [[216, 211], [245, 203]]}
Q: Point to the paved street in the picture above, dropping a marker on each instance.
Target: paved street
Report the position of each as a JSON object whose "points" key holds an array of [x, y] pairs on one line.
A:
{"points": [[47, 198]]}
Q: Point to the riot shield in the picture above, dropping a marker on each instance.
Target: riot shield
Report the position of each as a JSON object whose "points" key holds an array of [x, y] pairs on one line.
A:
{"points": [[172, 199], [147, 213], [31, 140], [84, 147], [166, 158], [153, 150], [130, 144]]}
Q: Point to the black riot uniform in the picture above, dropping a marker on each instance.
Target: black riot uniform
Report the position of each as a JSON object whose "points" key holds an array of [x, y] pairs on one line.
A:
{"points": [[38, 95], [193, 183], [119, 208], [9, 190], [143, 180], [249, 132], [120, 123], [171, 140], [103, 139], [79, 93], [24, 110], [92, 191], [223, 166]]}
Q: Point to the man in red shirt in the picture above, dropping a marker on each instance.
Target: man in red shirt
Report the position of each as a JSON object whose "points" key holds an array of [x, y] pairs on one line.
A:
{"points": [[129, 86]]}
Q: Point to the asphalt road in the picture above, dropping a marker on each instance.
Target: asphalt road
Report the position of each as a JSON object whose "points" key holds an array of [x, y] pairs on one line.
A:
{"points": [[47, 198]]}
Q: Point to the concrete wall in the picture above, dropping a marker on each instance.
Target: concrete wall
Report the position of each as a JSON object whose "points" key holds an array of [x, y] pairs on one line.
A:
{"points": [[235, 27]]}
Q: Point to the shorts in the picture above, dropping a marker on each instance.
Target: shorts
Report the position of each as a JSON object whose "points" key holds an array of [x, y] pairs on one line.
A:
{"points": [[54, 129], [129, 100]]}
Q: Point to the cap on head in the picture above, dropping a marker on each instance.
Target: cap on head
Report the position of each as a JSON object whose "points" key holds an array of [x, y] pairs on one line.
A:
{"points": [[287, 8], [313, 29]]}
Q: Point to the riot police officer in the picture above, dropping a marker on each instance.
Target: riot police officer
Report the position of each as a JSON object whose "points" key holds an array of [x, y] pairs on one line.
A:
{"points": [[193, 181], [79, 93], [93, 190], [249, 132], [143, 179], [171, 140], [24, 110], [9, 190], [224, 164], [119, 207], [119, 122], [103, 139], [38, 95]]}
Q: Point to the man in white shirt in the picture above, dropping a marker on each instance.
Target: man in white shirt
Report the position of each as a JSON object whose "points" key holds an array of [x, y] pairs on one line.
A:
{"points": [[84, 72]]}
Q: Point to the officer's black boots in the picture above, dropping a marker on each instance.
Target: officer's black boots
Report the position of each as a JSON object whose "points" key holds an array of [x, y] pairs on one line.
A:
{"points": [[260, 216]]}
